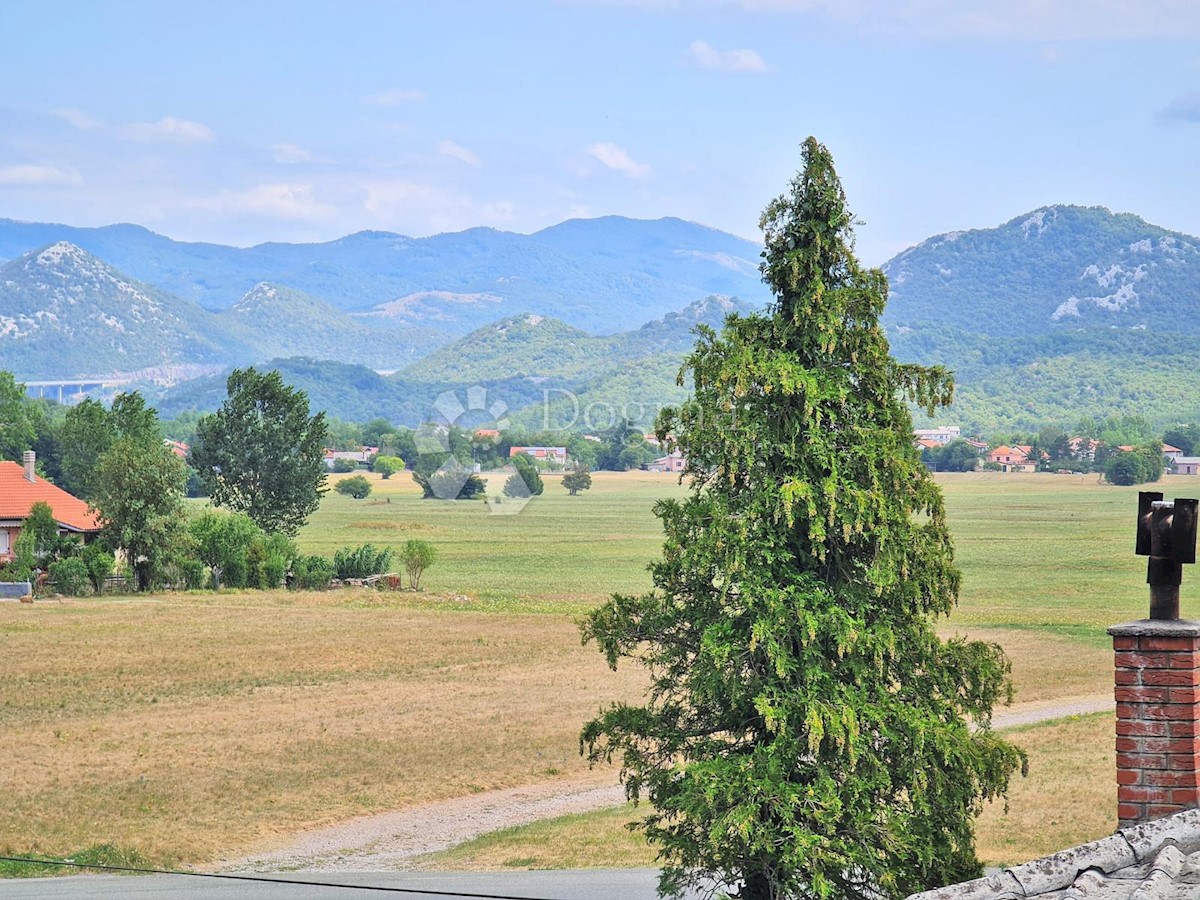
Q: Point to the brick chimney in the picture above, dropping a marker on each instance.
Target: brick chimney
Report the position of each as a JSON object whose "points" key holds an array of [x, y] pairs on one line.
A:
{"points": [[1157, 675], [29, 458], [1158, 718]]}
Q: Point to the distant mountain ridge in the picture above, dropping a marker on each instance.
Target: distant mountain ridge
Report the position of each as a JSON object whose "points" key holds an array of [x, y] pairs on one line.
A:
{"points": [[603, 275], [65, 313]]}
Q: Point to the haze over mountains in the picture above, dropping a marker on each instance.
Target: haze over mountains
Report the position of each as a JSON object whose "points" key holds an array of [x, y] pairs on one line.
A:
{"points": [[603, 275], [1059, 313]]}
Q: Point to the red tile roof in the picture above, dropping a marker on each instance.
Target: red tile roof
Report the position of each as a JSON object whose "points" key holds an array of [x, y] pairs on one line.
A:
{"points": [[17, 496]]}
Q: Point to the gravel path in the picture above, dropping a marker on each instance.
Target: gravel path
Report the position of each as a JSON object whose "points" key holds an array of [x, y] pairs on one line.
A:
{"points": [[392, 841]]}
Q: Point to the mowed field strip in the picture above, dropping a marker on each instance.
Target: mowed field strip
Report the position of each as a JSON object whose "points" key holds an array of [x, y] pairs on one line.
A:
{"points": [[196, 727]]}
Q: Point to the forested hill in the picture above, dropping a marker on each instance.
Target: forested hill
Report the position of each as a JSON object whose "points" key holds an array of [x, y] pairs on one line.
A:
{"points": [[541, 369], [1059, 268]]}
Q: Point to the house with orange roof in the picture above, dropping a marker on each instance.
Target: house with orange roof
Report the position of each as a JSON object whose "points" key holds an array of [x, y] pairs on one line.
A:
{"points": [[20, 488]]}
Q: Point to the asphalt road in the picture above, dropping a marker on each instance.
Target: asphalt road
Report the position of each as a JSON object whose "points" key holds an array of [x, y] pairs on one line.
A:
{"points": [[587, 884]]}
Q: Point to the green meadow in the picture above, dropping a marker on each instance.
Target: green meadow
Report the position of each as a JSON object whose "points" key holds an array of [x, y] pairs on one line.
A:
{"points": [[1050, 552]]}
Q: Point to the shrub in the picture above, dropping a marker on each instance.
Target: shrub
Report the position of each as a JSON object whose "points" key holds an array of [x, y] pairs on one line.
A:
{"points": [[528, 471], [417, 556], [273, 570], [70, 576], [311, 573], [343, 466], [100, 565], [361, 562], [356, 486], [1135, 466], [192, 574]]}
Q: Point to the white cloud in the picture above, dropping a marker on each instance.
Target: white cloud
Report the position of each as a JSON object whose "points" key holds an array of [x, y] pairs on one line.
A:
{"points": [[291, 153], [168, 128], [706, 56], [617, 159], [457, 151], [276, 201], [78, 118], [415, 207], [395, 97], [38, 176]]}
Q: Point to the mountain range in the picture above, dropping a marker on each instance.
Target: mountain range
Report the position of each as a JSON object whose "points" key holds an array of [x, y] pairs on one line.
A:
{"points": [[604, 275], [1061, 313]]}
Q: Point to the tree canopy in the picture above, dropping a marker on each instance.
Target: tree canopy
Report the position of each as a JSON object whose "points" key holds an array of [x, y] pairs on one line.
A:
{"points": [[262, 453], [806, 731]]}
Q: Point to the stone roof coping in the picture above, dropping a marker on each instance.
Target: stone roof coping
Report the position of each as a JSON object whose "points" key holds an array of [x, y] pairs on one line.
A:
{"points": [[1128, 847], [1157, 628]]}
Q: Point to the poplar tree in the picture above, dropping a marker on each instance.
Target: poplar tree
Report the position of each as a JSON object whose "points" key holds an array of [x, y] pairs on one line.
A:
{"points": [[806, 733]]}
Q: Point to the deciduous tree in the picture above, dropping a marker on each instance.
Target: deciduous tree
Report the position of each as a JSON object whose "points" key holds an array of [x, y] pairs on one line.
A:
{"points": [[578, 479], [139, 497], [355, 486], [262, 453], [807, 734]]}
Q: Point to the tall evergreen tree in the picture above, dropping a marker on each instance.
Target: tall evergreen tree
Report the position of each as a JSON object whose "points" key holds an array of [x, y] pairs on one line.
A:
{"points": [[806, 732]]}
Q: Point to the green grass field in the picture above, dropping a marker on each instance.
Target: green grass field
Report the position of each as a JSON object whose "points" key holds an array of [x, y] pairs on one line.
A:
{"points": [[558, 554], [1047, 552]]}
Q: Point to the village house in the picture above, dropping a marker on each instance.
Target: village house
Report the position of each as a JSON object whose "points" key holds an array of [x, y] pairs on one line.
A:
{"points": [[548, 454], [179, 448], [1171, 453], [1185, 465], [1017, 458], [941, 436], [672, 462], [362, 455], [21, 488], [1083, 448]]}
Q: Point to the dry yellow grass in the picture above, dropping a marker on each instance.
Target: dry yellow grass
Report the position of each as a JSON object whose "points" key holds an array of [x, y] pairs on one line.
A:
{"points": [[1069, 798], [192, 727]]}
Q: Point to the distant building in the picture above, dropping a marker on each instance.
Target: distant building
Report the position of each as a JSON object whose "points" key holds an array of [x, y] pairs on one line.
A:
{"points": [[487, 434], [942, 435], [1017, 458], [179, 448], [1171, 453], [549, 454], [928, 444], [1185, 465], [1083, 448], [672, 462], [362, 455]]}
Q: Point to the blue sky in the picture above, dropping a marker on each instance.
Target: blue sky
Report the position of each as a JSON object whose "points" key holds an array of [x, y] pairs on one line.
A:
{"points": [[254, 121]]}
